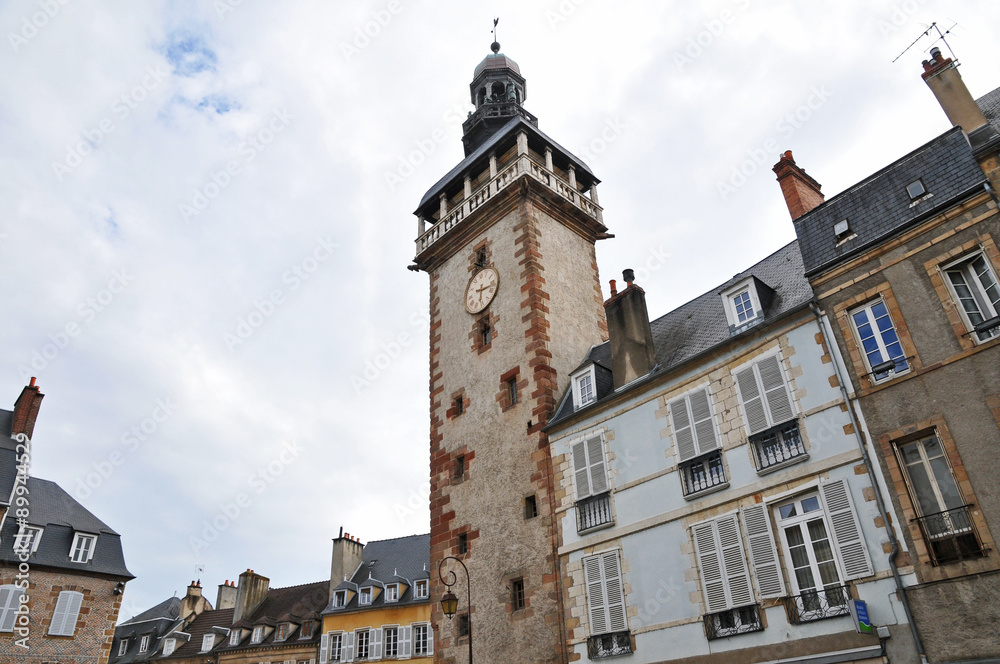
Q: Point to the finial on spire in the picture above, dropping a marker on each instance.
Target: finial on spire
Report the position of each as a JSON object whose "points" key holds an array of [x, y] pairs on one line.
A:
{"points": [[495, 46]]}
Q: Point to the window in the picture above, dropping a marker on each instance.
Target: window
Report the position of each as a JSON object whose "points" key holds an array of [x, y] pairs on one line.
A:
{"points": [[944, 517], [512, 396], [605, 604], [916, 189], [593, 503], [421, 589], [842, 229], [459, 405], [366, 596], [82, 549], [463, 543], [517, 594], [282, 632], [423, 641], [763, 395], [234, 637], [879, 342], [743, 306], [307, 630], [258, 634], [530, 507], [168, 647], [463, 625], [390, 641], [584, 391], [10, 600], [460, 466], [207, 642], [392, 592], [144, 643], [27, 539], [486, 334], [335, 644], [340, 599], [725, 577], [703, 474], [697, 442], [362, 644], [122, 647], [974, 285], [778, 445], [481, 257], [65, 614]]}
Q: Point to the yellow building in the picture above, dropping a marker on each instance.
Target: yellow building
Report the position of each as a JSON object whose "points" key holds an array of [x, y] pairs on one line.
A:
{"points": [[379, 601]]}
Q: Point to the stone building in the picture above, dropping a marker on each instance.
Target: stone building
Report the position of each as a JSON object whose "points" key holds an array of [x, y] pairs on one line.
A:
{"points": [[507, 240], [140, 638], [906, 264], [62, 571]]}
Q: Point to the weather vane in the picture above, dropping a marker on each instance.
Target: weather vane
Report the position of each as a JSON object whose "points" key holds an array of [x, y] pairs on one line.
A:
{"points": [[495, 21], [926, 33]]}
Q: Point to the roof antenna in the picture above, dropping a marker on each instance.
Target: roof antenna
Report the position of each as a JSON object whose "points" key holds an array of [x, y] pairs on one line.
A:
{"points": [[495, 46], [198, 569], [926, 33]]}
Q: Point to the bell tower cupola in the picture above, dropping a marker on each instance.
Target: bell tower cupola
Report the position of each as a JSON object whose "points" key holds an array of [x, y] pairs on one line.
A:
{"points": [[498, 92]]}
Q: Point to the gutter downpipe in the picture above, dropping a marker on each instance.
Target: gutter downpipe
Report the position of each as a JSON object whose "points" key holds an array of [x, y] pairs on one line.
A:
{"points": [[823, 327]]}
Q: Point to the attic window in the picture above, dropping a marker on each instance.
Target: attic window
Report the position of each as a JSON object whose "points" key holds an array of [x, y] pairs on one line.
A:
{"points": [[258, 634], [307, 630], [234, 638], [916, 189], [82, 549], [841, 229], [743, 307], [366, 596], [144, 643], [584, 388], [392, 592], [207, 642], [168, 647], [282, 632], [27, 539], [421, 589]]}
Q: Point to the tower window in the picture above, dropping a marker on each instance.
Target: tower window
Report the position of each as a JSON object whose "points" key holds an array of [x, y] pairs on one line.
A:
{"points": [[517, 593], [481, 257], [487, 334], [460, 465], [463, 625], [463, 543], [459, 405], [512, 390], [530, 507]]}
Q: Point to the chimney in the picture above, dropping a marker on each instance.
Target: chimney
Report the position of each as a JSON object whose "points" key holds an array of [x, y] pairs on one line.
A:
{"points": [[226, 599], [942, 77], [193, 603], [632, 352], [348, 553], [802, 193], [26, 410], [250, 592]]}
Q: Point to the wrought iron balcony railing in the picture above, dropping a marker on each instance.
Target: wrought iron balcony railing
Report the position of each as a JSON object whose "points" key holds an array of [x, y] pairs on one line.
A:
{"points": [[741, 620], [609, 645], [594, 512], [703, 474], [778, 445], [819, 604], [951, 535]]}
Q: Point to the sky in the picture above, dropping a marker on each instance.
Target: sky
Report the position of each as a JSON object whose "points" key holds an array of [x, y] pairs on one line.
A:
{"points": [[206, 218]]}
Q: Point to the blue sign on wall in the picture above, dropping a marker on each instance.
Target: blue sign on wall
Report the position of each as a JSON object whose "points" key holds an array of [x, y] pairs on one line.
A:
{"points": [[859, 611]]}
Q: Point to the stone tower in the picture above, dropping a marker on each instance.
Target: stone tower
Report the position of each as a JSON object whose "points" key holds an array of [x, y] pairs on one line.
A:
{"points": [[507, 238]]}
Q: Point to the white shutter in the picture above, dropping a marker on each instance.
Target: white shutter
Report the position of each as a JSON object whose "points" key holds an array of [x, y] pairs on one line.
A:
{"points": [[763, 553], [580, 470], [598, 474], [10, 598], [430, 639], [753, 404], [848, 538], [347, 647], [64, 617], [734, 561], [614, 592], [324, 645], [59, 615], [775, 392], [376, 643], [683, 432], [704, 426], [595, 595], [405, 634], [712, 584]]}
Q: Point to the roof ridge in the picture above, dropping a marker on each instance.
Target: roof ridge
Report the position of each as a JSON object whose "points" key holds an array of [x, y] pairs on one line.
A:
{"points": [[300, 585], [392, 539]]}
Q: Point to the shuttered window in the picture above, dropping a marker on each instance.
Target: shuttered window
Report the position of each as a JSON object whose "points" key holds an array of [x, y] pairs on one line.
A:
{"points": [[589, 468], [66, 612], [764, 395], [763, 553], [605, 593], [10, 599], [694, 425], [849, 540], [725, 578]]}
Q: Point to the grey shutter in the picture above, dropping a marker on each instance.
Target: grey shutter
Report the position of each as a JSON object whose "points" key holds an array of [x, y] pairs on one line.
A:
{"points": [[324, 645], [596, 605], [734, 561], [347, 647], [430, 639], [763, 553], [683, 432], [10, 598], [375, 644], [753, 404], [60, 616], [598, 473], [778, 403], [712, 584], [704, 427], [404, 641], [614, 592], [848, 537], [581, 471]]}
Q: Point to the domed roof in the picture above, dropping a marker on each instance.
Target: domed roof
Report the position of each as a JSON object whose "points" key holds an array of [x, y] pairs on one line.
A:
{"points": [[496, 60]]}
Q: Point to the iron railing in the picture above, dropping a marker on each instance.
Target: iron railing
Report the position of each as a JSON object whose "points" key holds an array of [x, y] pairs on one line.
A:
{"points": [[609, 645], [593, 512], [819, 604], [742, 620], [778, 445], [951, 535], [704, 473]]}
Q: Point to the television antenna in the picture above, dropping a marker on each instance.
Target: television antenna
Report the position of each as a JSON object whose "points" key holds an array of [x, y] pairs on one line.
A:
{"points": [[940, 38]]}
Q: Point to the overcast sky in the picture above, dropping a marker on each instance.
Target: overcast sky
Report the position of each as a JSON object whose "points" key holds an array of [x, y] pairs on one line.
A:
{"points": [[206, 218]]}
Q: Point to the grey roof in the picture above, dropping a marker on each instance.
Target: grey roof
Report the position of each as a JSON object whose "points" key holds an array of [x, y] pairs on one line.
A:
{"points": [[168, 608], [879, 207], [61, 516], [499, 142], [987, 138], [692, 329], [408, 557], [204, 623], [293, 604], [154, 623]]}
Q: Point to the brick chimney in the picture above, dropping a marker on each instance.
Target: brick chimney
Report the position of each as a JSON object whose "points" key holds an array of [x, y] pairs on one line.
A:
{"points": [[942, 77], [633, 354], [26, 410], [193, 603], [226, 599], [802, 193], [251, 591], [348, 553]]}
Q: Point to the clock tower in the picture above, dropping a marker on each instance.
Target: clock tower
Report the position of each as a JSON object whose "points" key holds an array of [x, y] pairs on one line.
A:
{"points": [[507, 239]]}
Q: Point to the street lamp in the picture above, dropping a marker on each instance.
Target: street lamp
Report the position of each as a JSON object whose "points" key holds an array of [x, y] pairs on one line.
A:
{"points": [[449, 603]]}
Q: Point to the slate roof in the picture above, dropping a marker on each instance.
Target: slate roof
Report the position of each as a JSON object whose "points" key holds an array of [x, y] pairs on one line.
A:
{"points": [[700, 325], [989, 103], [879, 207], [987, 138], [294, 604], [384, 560], [197, 629], [499, 142], [154, 622], [60, 515]]}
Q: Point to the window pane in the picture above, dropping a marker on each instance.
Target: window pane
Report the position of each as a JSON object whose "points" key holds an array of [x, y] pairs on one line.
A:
{"points": [[922, 487], [810, 504], [946, 484], [786, 511], [988, 282]]}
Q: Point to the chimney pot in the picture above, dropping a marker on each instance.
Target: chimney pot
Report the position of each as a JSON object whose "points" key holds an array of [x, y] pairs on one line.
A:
{"points": [[628, 276], [614, 288], [935, 53]]}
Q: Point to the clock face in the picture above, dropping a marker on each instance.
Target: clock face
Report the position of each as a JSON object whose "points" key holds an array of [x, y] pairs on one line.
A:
{"points": [[481, 290]]}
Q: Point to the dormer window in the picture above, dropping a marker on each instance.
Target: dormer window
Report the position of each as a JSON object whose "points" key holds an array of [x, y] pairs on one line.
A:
{"points": [[234, 638], [584, 388], [82, 549], [307, 630], [258, 634], [207, 642], [282, 632], [27, 539], [420, 589], [392, 592], [842, 229], [340, 599], [365, 597], [122, 647], [743, 305], [169, 646], [144, 643]]}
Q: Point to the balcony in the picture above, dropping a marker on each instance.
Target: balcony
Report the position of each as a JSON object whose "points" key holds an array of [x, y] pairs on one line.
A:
{"points": [[778, 446], [703, 474], [951, 536], [594, 512], [818, 604], [742, 620], [609, 645]]}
